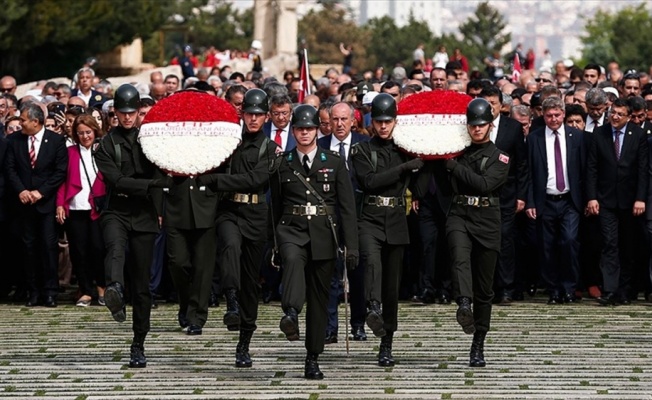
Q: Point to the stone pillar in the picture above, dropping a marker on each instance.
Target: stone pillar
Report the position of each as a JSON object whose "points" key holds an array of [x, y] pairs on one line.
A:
{"points": [[288, 27], [276, 26], [265, 26]]}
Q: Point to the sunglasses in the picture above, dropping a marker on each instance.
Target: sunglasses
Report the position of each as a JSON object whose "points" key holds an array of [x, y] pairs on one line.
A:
{"points": [[111, 114], [543, 80], [6, 90]]}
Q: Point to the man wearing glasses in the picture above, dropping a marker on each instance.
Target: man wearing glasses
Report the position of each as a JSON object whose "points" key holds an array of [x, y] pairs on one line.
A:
{"points": [[8, 84], [544, 79], [278, 128]]}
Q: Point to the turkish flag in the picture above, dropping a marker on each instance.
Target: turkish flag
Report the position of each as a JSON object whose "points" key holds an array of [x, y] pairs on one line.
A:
{"points": [[304, 78], [516, 69]]}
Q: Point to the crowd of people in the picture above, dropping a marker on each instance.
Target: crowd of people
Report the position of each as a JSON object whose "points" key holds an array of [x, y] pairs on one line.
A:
{"points": [[576, 195]]}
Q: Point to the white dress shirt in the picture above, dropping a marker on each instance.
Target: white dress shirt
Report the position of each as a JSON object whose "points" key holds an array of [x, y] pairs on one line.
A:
{"points": [[284, 135], [37, 143], [311, 156], [80, 201], [494, 131], [590, 125], [335, 145]]}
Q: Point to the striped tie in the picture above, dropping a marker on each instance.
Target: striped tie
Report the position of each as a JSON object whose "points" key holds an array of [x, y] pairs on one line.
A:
{"points": [[32, 151]]}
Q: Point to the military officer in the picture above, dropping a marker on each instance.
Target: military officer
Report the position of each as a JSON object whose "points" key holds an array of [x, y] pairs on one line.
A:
{"points": [[309, 190], [130, 218], [241, 219], [189, 220], [383, 173], [473, 225]]}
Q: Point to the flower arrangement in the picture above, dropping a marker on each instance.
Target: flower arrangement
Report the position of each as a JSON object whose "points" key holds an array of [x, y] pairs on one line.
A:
{"points": [[432, 125], [190, 133]]}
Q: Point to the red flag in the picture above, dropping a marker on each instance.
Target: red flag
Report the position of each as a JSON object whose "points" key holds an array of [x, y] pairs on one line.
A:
{"points": [[304, 78], [516, 69]]}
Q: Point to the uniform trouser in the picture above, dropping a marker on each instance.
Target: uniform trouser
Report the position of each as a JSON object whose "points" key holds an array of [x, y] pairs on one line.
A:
{"points": [[240, 259], [619, 238], [40, 240], [506, 267], [191, 259], [435, 274], [473, 274], [383, 264], [307, 281], [117, 233], [86, 249], [356, 296]]}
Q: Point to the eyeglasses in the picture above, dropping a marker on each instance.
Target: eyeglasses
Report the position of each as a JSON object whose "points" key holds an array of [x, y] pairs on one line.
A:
{"points": [[14, 128], [280, 113], [76, 107], [7, 90], [619, 114], [84, 133], [543, 80], [112, 114]]}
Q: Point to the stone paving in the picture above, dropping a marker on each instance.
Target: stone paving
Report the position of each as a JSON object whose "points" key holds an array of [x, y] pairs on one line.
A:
{"points": [[534, 351]]}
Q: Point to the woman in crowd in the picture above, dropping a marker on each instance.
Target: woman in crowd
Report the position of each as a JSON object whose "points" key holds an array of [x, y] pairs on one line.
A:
{"points": [[99, 118], [77, 207]]}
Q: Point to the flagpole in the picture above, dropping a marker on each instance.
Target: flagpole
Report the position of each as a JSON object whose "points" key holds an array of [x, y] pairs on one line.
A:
{"points": [[305, 60]]}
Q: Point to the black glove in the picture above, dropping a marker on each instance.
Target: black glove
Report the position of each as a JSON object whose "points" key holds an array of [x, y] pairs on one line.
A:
{"points": [[161, 183], [205, 180], [352, 258], [411, 165], [451, 163]]}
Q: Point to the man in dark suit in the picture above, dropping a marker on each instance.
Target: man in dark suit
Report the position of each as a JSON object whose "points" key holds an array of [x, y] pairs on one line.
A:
{"points": [[507, 135], [311, 183], [85, 91], [278, 126], [6, 283], [341, 116], [617, 184], [557, 157], [36, 166]]}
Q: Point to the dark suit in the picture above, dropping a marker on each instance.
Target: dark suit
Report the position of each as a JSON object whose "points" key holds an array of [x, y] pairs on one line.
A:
{"points": [[510, 139], [268, 127], [96, 100], [307, 246], [616, 184], [356, 277], [38, 223], [557, 217]]}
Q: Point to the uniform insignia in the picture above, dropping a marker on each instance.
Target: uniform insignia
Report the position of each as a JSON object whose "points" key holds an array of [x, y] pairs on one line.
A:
{"points": [[503, 158], [322, 156], [290, 157], [326, 170], [98, 97], [327, 187]]}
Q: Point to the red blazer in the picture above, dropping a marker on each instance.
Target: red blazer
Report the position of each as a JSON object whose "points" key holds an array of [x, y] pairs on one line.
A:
{"points": [[73, 185]]}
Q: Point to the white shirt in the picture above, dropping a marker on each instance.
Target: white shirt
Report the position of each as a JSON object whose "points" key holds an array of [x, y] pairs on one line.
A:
{"points": [[84, 97], [590, 125], [494, 131], [37, 143], [80, 201], [311, 156], [335, 145], [284, 135], [440, 60], [551, 185]]}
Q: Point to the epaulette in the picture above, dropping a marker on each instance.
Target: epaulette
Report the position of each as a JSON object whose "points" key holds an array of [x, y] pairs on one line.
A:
{"points": [[335, 153]]}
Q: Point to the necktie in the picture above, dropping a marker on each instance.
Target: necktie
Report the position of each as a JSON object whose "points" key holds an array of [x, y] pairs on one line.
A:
{"points": [[342, 151], [306, 167], [278, 139], [32, 151], [559, 167], [596, 123], [617, 144]]}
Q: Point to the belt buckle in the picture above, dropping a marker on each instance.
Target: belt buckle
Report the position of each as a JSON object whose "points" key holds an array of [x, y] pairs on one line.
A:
{"points": [[240, 198], [472, 201], [385, 201], [309, 210]]}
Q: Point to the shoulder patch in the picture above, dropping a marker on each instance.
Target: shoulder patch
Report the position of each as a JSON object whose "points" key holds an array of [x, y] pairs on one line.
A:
{"points": [[504, 158]]}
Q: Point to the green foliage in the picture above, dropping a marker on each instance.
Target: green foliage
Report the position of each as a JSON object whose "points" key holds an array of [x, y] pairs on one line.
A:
{"points": [[610, 37], [483, 33]]}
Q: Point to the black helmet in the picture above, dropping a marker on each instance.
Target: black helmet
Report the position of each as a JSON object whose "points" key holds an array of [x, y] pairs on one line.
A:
{"points": [[305, 116], [255, 102], [126, 98], [383, 108], [478, 112]]}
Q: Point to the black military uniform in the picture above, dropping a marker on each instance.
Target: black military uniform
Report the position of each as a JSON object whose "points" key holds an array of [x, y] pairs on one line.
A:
{"points": [[473, 228], [383, 173], [305, 234], [241, 222], [130, 220]]}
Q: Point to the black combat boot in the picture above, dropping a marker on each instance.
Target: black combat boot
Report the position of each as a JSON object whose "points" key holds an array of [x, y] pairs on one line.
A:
{"points": [[115, 301], [465, 315], [242, 357], [290, 324], [138, 359], [312, 370], [476, 357], [375, 318], [385, 358], [232, 315]]}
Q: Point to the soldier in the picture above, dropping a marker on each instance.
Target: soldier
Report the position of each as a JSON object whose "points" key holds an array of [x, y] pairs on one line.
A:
{"points": [[130, 218], [473, 225], [383, 173], [240, 221], [310, 183]]}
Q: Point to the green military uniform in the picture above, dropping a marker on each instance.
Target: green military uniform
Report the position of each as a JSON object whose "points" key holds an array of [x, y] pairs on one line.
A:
{"points": [[473, 225], [307, 246], [189, 220]]}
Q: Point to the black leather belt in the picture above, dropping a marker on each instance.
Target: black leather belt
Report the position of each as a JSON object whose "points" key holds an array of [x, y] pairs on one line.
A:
{"points": [[557, 197], [475, 201], [309, 210], [245, 198], [381, 201]]}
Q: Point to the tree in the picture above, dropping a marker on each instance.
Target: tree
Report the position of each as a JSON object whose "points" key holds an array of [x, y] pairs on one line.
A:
{"points": [[625, 37], [482, 33], [45, 38]]}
